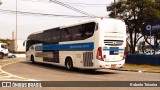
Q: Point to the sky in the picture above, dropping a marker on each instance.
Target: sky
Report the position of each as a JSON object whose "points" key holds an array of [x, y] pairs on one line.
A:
{"points": [[29, 23]]}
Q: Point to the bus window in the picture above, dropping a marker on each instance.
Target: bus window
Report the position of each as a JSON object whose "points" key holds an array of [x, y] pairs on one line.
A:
{"points": [[88, 30], [51, 36], [47, 35], [77, 33], [55, 37], [66, 35]]}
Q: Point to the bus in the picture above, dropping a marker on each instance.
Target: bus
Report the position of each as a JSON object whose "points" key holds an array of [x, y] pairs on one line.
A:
{"points": [[93, 44]]}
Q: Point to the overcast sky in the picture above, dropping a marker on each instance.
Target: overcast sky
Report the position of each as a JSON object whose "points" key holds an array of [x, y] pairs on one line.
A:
{"points": [[28, 23]]}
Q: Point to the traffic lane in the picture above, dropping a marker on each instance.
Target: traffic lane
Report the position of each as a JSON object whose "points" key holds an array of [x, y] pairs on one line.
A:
{"points": [[48, 72]]}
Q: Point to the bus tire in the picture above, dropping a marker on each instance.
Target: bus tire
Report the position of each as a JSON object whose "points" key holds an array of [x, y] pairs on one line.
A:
{"points": [[13, 56], [1, 55], [69, 63], [32, 59]]}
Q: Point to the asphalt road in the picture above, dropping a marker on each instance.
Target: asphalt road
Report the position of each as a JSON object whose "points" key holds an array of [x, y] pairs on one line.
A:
{"points": [[47, 72]]}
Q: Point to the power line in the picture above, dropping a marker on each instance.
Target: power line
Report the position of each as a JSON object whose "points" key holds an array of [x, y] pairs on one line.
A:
{"points": [[75, 4], [81, 4], [41, 14], [37, 1], [89, 4], [72, 8]]}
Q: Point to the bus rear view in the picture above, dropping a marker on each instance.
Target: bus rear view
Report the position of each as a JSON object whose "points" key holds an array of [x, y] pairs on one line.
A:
{"points": [[111, 44]]}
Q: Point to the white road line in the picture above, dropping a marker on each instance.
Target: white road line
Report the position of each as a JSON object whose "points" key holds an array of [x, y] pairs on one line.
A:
{"points": [[10, 76], [4, 76]]}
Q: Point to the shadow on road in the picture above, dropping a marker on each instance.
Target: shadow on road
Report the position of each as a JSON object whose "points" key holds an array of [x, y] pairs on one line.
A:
{"points": [[63, 69]]}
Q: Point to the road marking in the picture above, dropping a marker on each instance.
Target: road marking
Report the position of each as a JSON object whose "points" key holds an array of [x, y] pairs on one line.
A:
{"points": [[8, 76]]}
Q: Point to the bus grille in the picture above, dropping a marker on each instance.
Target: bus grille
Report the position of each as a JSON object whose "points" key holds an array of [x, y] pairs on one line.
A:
{"points": [[113, 42], [87, 59]]}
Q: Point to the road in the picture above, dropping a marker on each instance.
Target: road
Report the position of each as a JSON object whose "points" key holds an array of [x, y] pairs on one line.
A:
{"points": [[47, 72]]}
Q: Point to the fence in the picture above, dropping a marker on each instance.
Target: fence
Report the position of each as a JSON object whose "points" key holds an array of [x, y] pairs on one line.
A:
{"points": [[143, 59]]}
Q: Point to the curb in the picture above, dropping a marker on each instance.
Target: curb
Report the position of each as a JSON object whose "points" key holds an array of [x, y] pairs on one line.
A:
{"points": [[135, 70]]}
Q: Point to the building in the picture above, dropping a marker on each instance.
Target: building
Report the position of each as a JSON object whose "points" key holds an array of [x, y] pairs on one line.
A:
{"points": [[20, 48]]}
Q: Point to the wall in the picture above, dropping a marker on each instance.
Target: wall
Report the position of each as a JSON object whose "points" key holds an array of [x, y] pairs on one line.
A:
{"points": [[20, 47]]}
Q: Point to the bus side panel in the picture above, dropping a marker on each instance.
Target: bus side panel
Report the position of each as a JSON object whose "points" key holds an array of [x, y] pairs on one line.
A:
{"points": [[64, 54], [96, 45], [81, 58]]}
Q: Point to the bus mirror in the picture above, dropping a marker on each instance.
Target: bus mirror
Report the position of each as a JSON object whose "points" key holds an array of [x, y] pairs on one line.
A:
{"points": [[24, 43]]}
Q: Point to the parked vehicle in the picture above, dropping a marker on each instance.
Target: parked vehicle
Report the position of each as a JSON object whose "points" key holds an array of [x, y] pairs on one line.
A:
{"points": [[3, 50], [12, 55]]}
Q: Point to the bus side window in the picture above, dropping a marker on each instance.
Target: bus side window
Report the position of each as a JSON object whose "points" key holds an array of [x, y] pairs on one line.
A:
{"points": [[55, 36], [77, 33], [47, 35], [88, 30], [66, 35]]}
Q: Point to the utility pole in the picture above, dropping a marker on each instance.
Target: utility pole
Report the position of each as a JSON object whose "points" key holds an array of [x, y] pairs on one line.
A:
{"points": [[0, 2], [16, 29], [115, 13]]}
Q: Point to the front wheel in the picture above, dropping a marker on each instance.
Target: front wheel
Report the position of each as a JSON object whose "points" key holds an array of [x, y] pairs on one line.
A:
{"points": [[32, 59], [69, 64]]}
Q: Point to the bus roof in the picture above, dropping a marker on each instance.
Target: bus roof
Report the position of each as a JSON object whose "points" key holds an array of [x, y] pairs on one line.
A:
{"points": [[97, 20]]}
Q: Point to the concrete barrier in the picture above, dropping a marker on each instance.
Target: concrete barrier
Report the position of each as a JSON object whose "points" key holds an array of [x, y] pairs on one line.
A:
{"points": [[143, 59]]}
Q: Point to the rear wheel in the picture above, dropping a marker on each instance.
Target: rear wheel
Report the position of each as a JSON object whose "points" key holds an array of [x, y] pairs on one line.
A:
{"points": [[69, 64], [32, 59], [13, 56], [1, 55]]}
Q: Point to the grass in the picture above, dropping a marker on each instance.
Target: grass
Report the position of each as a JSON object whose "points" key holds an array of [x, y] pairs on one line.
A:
{"points": [[142, 67]]}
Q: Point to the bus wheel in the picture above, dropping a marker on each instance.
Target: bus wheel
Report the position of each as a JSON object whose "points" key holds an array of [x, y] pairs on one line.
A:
{"points": [[32, 59], [13, 56], [69, 64], [1, 55]]}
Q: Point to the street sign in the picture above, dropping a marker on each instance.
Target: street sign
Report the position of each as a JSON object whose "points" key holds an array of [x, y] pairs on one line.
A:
{"points": [[152, 27]]}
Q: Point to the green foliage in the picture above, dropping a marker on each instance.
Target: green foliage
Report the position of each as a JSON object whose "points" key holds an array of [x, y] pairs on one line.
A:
{"points": [[135, 13], [4, 40]]}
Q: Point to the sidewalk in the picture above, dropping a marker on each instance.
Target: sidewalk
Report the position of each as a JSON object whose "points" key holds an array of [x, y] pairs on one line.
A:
{"points": [[140, 68]]}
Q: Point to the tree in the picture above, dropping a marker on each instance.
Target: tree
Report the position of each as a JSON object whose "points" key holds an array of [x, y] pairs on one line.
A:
{"points": [[135, 13], [4, 40]]}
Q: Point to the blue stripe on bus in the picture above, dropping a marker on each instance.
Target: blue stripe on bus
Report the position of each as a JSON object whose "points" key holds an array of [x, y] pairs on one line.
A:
{"points": [[73, 46]]}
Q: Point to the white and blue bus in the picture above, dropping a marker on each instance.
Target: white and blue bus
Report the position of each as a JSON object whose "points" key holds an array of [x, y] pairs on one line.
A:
{"points": [[94, 44]]}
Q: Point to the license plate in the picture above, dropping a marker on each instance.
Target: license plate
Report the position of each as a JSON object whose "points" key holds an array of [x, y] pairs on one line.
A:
{"points": [[113, 65]]}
